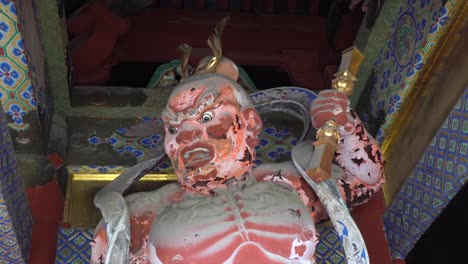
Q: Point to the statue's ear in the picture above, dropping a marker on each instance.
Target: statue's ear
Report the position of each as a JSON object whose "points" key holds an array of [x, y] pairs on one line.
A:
{"points": [[228, 68], [253, 122]]}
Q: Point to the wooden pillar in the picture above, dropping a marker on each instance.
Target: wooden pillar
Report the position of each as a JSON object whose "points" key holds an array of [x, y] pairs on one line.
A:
{"points": [[15, 214]]}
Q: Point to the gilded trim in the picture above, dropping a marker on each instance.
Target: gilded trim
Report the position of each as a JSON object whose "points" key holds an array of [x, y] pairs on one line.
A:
{"points": [[79, 209], [110, 177], [402, 118]]}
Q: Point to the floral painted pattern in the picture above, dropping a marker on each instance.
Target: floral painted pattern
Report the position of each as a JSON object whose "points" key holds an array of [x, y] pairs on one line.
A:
{"points": [[148, 119], [424, 3], [94, 140], [16, 113], [279, 152], [394, 103], [398, 76], [131, 150], [293, 141], [262, 142], [10, 4], [7, 75], [279, 133], [380, 104], [96, 169], [410, 2], [121, 130], [379, 59], [29, 96], [416, 66], [19, 80], [102, 169], [385, 77], [380, 136], [151, 142], [112, 140], [439, 19], [162, 167], [420, 25], [19, 51], [4, 28]]}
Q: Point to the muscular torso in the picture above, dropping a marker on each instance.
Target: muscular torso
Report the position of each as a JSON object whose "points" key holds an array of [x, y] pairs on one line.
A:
{"points": [[268, 221], [262, 222]]}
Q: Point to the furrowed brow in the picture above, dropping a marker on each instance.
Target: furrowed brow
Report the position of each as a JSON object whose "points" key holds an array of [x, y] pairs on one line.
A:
{"points": [[206, 100]]}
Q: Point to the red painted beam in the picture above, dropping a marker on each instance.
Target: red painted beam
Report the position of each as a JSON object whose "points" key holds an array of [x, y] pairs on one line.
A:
{"points": [[314, 7], [222, 5], [47, 205], [292, 7], [268, 6], [248, 39], [176, 3], [199, 4], [154, 16], [246, 6], [368, 217]]}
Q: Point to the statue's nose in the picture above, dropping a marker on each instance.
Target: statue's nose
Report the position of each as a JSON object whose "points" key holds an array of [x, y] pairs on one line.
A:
{"points": [[189, 132]]}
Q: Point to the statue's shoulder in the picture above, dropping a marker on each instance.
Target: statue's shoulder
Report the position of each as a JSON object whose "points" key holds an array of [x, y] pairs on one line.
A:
{"points": [[306, 150], [164, 194], [266, 171], [276, 171]]}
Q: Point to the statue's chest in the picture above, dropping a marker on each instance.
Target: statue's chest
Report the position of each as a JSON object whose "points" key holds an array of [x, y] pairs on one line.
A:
{"points": [[265, 214]]}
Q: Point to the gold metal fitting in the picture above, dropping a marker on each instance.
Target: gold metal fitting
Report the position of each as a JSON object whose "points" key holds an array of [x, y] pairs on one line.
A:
{"points": [[212, 64], [344, 82], [329, 130]]}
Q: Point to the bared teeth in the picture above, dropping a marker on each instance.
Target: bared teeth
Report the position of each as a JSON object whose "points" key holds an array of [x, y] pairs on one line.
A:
{"points": [[196, 156], [197, 151]]}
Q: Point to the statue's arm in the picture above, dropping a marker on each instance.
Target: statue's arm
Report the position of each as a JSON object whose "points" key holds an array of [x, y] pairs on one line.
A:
{"points": [[361, 157], [142, 209], [358, 153], [110, 201], [287, 174]]}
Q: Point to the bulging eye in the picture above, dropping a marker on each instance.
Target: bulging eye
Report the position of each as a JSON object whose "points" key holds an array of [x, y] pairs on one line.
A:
{"points": [[207, 117], [172, 130]]}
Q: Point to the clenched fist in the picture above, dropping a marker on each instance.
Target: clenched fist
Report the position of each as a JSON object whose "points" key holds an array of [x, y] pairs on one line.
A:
{"points": [[332, 105]]}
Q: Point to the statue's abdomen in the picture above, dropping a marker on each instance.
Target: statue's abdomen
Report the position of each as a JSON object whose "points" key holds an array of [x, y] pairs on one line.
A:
{"points": [[261, 223]]}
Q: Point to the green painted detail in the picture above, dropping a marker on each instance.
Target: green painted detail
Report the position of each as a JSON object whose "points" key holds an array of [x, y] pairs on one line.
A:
{"points": [[426, 217], [448, 187], [464, 148], [54, 39], [376, 39], [160, 71], [436, 202], [461, 169], [243, 74]]}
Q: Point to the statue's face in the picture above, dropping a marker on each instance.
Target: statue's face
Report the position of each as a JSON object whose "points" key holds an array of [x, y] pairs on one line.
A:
{"points": [[209, 138]]}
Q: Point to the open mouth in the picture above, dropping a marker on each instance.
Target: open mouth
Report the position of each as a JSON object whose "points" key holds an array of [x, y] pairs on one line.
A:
{"points": [[197, 155]]}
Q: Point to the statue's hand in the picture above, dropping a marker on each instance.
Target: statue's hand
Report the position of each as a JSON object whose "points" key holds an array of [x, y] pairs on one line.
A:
{"points": [[358, 153], [332, 105]]}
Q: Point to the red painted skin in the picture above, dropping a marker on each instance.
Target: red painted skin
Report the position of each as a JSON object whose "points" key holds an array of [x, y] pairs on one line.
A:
{"points": [[225, 211]]}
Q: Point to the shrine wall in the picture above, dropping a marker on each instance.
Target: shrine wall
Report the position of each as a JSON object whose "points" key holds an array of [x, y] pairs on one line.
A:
{"points": [[15, 215], [23, 92], [439, 175], [408, 64], [412, 40]]}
